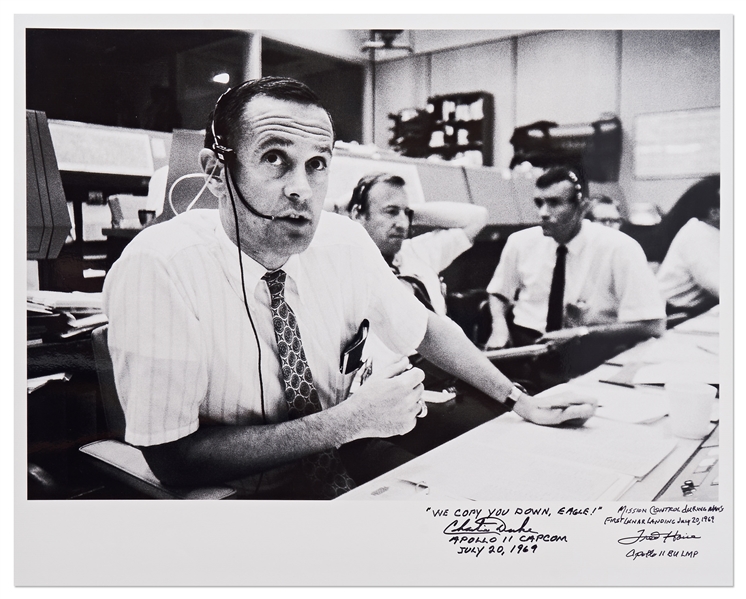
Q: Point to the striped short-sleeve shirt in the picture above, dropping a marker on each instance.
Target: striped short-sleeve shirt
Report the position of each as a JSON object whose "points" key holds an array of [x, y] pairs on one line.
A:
{"points": [[181, 342]]}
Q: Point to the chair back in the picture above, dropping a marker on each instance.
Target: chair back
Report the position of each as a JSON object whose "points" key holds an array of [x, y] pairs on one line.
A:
{"points": [[113, 412]]}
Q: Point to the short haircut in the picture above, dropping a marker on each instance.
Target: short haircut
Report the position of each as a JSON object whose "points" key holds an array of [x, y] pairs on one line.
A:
{"points": [[556, 174], [361, 193], [226, 119], [709, 196]]}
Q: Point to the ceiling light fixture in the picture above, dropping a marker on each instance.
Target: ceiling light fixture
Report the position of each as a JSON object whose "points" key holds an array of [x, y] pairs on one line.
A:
{"points": [[384, 39]]}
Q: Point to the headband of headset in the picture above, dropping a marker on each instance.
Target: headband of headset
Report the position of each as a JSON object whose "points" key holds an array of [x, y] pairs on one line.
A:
{"points": [[223, 152]]}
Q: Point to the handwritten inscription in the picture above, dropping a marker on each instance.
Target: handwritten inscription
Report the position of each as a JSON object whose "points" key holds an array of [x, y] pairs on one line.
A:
{"points": [[678, 517], [651, 531], [502, 531]]}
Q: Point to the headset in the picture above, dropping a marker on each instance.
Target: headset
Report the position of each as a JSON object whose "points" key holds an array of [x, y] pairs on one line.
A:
{"points": [[363, 188], [576, 183], [227, 154]]}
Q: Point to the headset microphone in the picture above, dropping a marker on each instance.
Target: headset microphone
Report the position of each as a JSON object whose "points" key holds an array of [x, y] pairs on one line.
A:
{"points": [[254, 211]]}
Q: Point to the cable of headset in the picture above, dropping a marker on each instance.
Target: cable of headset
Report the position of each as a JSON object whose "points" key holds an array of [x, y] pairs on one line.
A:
{"points": [[245, 299], [248, 312]]}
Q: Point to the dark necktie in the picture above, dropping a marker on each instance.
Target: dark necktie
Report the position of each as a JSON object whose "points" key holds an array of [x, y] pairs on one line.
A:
{"points": [[557, 292], [325, 470], [418, 287]]}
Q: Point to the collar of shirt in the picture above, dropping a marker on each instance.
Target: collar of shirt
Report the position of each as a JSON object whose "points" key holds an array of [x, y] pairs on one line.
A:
{"points": [[576, 244], [252, 270]]}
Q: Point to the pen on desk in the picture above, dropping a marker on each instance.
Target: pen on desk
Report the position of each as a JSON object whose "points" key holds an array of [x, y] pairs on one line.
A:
{"points": [[708, 350], [617, 383], [418, 485]]}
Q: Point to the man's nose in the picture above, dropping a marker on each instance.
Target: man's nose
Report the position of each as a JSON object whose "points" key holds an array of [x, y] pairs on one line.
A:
{"points": [[402, 220], [297, 186], [543, 212]]}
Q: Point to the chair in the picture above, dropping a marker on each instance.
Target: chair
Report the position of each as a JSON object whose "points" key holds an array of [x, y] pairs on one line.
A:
{"points": [[120, 460]]}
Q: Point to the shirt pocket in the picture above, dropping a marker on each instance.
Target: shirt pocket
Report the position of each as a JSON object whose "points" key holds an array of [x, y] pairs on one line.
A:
{"points": [[342, 384]]}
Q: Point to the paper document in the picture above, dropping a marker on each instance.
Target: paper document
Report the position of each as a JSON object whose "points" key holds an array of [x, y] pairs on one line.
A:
{"points": [[476, 472], [700, 371], [637, 406], [625, 448], [672, 347]]}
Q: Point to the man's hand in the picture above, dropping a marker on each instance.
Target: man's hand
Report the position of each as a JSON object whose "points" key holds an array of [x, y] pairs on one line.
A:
{"points": [[386, 404], [556, 409], [500, 334]]}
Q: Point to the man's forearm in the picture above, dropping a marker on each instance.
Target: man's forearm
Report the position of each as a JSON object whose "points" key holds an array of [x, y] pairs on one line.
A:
{"points": [[446, 346], [215, 454], [451, 215], [640, 329], [617, 331]]}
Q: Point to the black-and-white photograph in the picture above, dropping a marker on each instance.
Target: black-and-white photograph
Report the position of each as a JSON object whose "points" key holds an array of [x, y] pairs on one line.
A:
{"points": [[462, 280]]}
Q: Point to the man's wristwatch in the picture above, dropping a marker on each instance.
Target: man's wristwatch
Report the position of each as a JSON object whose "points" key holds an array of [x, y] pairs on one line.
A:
{"points": [[513, 397]]}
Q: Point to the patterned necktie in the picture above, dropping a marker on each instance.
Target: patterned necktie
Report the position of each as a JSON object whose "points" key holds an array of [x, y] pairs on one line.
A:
{"points": [[325, 470], [557, 292]]}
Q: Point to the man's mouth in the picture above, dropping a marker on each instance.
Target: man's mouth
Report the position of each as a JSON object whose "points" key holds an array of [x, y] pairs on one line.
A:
{"points": [[296, 219]]}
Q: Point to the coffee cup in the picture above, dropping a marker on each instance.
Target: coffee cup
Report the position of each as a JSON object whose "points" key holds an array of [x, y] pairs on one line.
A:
{"points": [[690, 407]]}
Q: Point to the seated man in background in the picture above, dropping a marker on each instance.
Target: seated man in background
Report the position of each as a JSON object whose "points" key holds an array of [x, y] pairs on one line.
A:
{"points": [[689, 276], [569, 277], [605, 211], [380, 204]]}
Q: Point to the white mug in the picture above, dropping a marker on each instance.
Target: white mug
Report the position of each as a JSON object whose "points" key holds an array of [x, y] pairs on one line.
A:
{"points": [[690, 406]]}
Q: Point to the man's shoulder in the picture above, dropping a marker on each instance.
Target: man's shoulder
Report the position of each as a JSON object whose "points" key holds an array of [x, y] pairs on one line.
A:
{"points": [[338, 230], [602, 234], [529, 235], [174, 236]]}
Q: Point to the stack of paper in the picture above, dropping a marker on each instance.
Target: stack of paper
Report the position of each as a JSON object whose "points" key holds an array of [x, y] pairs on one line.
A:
{"points": [[55, 315]]}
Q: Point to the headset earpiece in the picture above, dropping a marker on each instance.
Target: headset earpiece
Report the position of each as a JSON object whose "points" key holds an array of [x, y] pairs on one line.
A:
{"points": [[224, 153], [576, 183]]}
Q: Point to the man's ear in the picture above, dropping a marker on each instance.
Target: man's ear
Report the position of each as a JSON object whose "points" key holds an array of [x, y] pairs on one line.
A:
{"points": [[214, 169], [356, 213], [585, 206]]}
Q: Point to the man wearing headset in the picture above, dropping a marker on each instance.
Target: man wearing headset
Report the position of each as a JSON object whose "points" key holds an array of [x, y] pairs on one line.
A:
{"points": [[601, 285], [236, 364], [381, 205]]}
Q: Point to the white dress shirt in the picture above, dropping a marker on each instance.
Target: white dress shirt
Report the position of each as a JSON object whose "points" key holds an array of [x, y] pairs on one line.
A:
{"points": [[607, 278], [425, 256], [690, 272], [182, 344]]}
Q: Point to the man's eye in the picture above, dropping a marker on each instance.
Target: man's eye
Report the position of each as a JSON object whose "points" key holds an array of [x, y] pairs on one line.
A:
{"points": [[317, 164], [274, 159]]}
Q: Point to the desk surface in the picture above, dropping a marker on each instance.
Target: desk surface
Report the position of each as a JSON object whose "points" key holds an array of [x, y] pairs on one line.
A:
{"points": [[510, 459]]}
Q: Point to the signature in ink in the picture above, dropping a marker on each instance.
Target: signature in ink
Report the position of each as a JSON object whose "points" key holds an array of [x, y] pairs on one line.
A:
{"points": [[655, 536], [485, 525]]}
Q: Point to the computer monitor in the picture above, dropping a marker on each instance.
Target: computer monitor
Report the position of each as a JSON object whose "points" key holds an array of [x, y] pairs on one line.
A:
{"points": [[47, 218]]}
